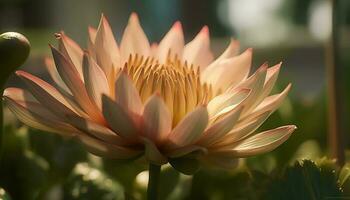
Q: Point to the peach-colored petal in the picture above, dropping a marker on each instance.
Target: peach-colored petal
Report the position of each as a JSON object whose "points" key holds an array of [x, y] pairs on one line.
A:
{"points": [[106, 48], [271, 103], [198, 51], [19, 94], [226, 101], [103, 149], [71, 50], [101, 132], [36, 116], [118, 119], [156, 119], [190, 128], [47, 95], [96, 82], [256, 84], [270, 80], [51, 69], [126, 94], [134, 40], [262, 142], [173, 41], [243, 129], [92, 34], [228, 72], [91, 41], [71, 77], [221, 127], [152, 153], [231, 50]]}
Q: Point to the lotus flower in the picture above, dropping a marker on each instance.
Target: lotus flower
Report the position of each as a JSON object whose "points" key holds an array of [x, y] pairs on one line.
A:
{"points": [[165, 102]]}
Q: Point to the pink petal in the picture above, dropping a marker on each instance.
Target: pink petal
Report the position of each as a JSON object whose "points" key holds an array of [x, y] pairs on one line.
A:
{"points": [[157, 120], [106, 150], [263, 142], [36, 116], [96, 82], [173, 41], [243, 129], [270, 80], [47, 95], [228, 72], [152, 153], [101, 132], [190, 128], [231, 51], [271, 103], [118, 119], [71, 50], [134, 40], [51, 68], [71, 77], [106, 48], [226, 101], [126, 94], [221, 127], [197, 52]]}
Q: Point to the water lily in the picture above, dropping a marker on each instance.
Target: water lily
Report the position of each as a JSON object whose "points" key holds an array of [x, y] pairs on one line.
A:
{"points": [[165, 102]]}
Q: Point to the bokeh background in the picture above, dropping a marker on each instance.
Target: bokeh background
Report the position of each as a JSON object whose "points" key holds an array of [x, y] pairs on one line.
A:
{"points": [[43, 166]]}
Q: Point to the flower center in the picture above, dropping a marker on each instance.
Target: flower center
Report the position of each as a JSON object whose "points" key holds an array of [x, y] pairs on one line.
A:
{"points": [[175, 81]]}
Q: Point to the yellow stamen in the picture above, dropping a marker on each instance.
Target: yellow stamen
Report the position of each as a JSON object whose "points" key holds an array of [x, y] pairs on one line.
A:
{"points": [[177, 82]]}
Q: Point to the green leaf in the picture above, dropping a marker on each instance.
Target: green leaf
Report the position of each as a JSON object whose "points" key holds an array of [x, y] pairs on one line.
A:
{"points": [[306, 181]]}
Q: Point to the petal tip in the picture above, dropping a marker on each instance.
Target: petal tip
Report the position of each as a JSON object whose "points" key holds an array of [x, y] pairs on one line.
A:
{"points": [[205, 30], [177, 26]]}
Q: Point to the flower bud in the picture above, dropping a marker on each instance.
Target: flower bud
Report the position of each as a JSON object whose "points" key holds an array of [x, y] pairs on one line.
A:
{"points": [[14, 50]]}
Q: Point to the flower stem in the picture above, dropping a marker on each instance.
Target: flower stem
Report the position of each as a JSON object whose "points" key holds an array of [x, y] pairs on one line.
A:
{"points": [[334, 71], [153, 182]]}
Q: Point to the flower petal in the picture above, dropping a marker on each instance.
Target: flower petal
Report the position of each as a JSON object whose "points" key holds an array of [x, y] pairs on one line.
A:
{"points": [[197, 52], [106, 48], [126, 94], [35, 116], [71, 77], [96, 82], [51, 68], [221, 127], [231, 50], [243, 129], [270, 103], [226, 100], [47, 95], [190, 128], [71, 50], [118, 119], [106, 150], [173, 41], [263, 142], [134, 40], [101, 132], [152, 153], [157, 120], [228, 72]]}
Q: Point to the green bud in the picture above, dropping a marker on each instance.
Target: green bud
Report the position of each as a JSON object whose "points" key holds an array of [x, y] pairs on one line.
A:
{"points": [[14, 50]]}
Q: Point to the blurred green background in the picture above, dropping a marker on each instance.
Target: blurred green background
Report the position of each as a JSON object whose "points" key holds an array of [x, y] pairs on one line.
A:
{"points": [[44, 166]]}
